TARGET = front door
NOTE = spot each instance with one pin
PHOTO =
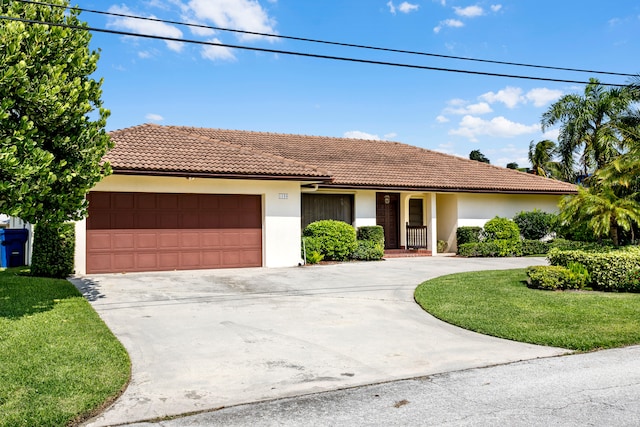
(387, 216)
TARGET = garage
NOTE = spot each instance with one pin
(129, 232)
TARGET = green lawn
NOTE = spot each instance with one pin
(498, 303)
(58, 361)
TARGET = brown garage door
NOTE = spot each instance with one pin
(152, 231)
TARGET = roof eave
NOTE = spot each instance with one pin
(183, 174)
(447, 189)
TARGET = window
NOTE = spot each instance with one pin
(316, 207)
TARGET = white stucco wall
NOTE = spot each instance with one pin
(447, 213)
(476, 209)
(365, 208)
(281, 216)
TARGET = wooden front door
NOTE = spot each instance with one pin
(387, 216)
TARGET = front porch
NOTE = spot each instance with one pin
(406, 253)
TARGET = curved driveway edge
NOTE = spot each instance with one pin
(201, 340)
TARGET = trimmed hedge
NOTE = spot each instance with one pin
(608, 269)
(370, 243)
(53, 250)
(554, 277)
(373, 233)
(631, 281)
(496, 248)
(534, 247)
(468, 235)
(336, 240)
(368, 250)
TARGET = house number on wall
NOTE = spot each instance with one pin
(387, 199)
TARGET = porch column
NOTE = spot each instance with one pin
(404, 218)
(432, 225)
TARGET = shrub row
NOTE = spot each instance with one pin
(338, 241)
(555, 277)
(609, 270)
(497, 248)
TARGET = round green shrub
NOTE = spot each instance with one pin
(501, 229)
(534, 225)
(336, 240)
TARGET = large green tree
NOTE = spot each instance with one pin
(52, 135)
(478, 156)
(590, 125)
(541, 155)
(602, 209)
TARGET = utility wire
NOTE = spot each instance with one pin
(488, 61)
(303, 54)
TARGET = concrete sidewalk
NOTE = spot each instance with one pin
(200, 340)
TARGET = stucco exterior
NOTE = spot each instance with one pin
(443, 213)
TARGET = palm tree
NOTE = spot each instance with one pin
(603, 210)
(541, 157)
(592, 122)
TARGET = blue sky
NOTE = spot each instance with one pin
(152, 81)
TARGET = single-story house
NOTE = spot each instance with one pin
(190, 198)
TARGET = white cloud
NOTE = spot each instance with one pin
(496, 7)
(551, 134)
(406, 7)
(217, 52)
(509, 96)
(198, 28)
(392, 7)
(390, 135)
(469, 11)
(145, 27)
(245, 15)
(455, 107)
(442, 119)
(453, 23)
(542, 96)
(154, 117)
(356, 134)
(500, 127)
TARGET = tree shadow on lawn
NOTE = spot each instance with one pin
(23, 295)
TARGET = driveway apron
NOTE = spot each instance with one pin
(201, 340)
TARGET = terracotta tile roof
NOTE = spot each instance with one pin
(162, 149)
(349, 162)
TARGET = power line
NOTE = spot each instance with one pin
(488, 61)
(303, 54)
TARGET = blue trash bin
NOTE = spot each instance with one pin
(12, 247)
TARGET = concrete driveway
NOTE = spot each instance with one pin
(201, 340)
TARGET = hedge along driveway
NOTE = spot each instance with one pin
(205, 339)
(607, 269)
